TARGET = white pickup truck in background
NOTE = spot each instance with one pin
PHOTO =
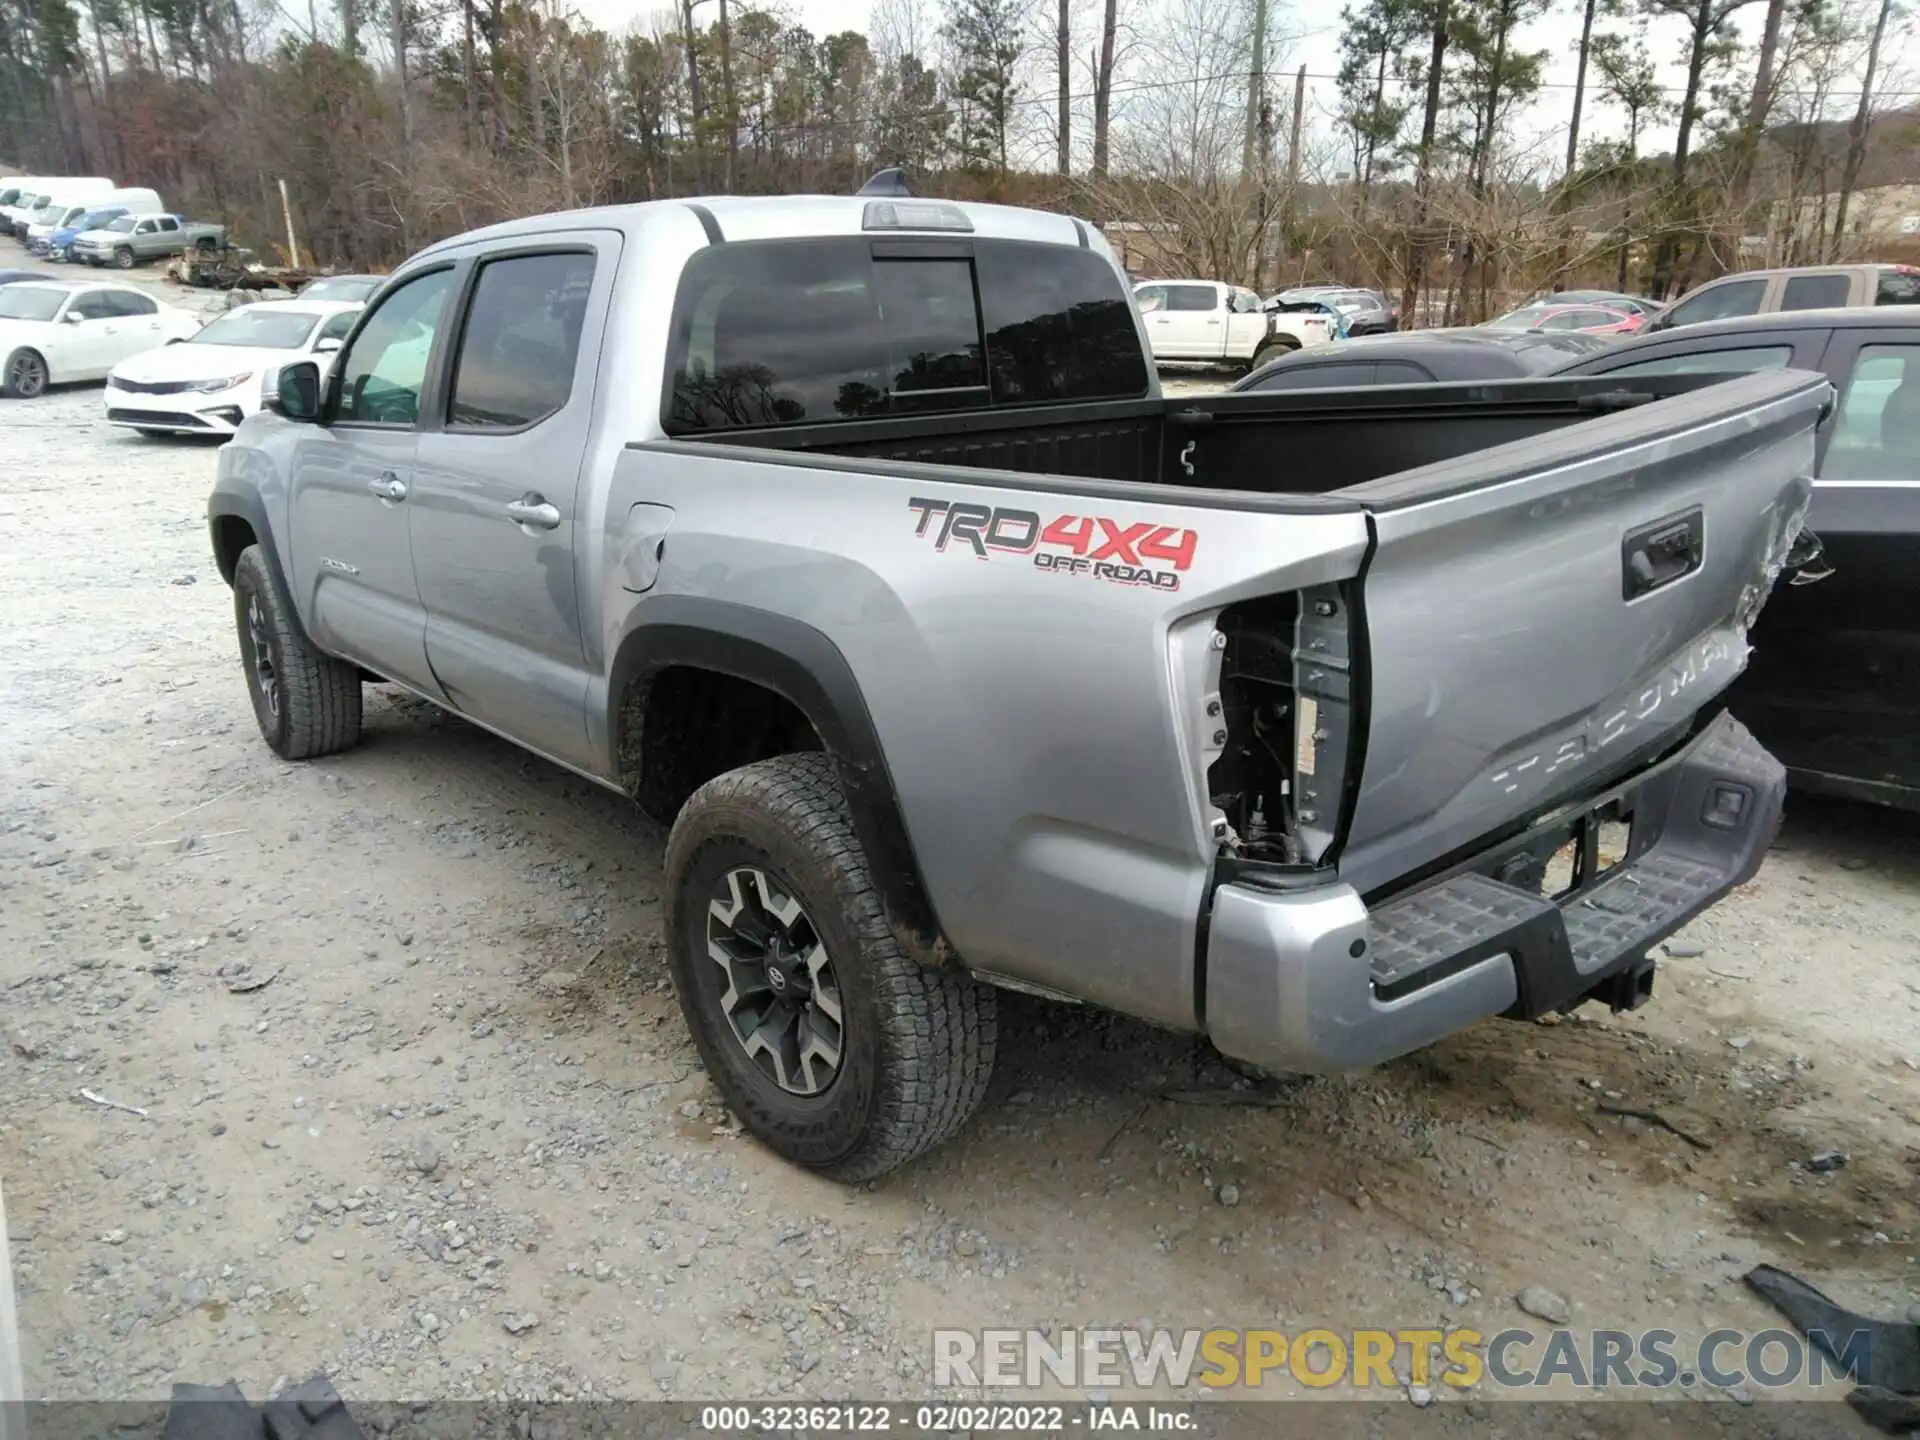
(1205, 322)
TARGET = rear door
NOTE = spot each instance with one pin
(1539, 613)
(1196, 328)
(494, 511)
(137, 327)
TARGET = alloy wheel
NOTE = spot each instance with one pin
(782, 1000)
(27, 375)
(266, 678)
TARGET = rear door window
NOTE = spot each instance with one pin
(1816, 292)
(799, 332)
(1192, 297)
(1876, 430)
(1720, 302)
(1745, 361)
(521, 340)
(129, 303)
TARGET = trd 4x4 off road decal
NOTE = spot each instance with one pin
(1107, 549)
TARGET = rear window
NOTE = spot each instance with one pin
(1898, 287)
(1816, 292)
(799, 332)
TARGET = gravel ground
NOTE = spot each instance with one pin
(421, 1113)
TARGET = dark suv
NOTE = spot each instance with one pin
(1834, 685)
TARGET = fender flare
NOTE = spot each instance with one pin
(805, 668)
(247, 506)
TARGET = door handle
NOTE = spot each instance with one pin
(533, 509)
(388, 487)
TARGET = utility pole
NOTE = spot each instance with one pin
(1291, 210)
(1256, 87)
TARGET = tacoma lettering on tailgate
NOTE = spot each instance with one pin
(1096, 545)
(1627, 713)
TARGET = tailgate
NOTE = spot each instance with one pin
(1538, 614)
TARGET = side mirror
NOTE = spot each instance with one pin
(327, 346)
(74, 317)
(297, 392)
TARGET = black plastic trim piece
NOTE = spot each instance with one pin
(1080, 229)
(708, 224)
(248, 506)
(803, 666)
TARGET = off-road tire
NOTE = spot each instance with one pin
(918, 1043)
(318, 709)
(1269, 352)
(24, 375)
(123, 258)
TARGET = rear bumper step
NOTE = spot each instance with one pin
(1312, 980)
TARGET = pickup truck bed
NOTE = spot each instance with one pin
(1331, 440)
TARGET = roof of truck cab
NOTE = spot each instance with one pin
(779, 217)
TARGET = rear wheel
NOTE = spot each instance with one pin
(1270, 351)
(25, 375)
(307, 703)
(834, 1048)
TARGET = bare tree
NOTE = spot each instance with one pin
(1857, 130)
(1103, 89)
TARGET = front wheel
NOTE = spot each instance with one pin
(307, 703)
(123, 258)
(835, 1049)
(25, 375)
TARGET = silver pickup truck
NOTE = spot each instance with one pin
(132, 238)
(853, 539)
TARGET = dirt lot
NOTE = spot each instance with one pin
(458, 1144)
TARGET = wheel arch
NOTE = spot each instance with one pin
(804, 668)
(35, 350)
(237, 519)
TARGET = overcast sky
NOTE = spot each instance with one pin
(1316, 24)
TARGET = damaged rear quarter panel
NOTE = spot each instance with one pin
(1035, 662)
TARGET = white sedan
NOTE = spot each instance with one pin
(214, 381)
(53, 332)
